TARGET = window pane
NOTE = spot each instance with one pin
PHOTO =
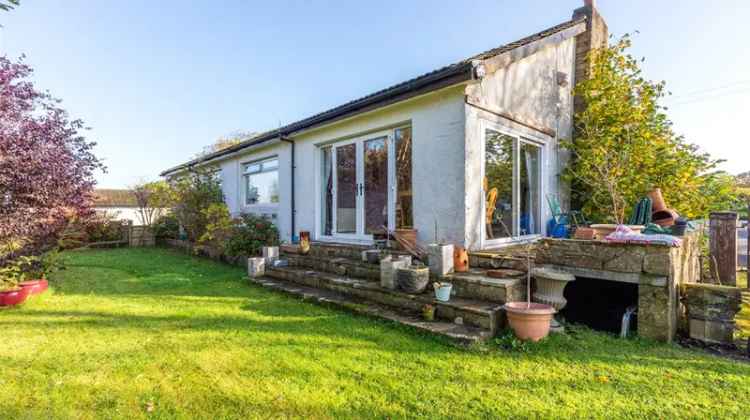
(498, 184)
(252, 168)
(376, 185)
(529, 176)
(346, 188)
(270, 164)
(326, 179)
(262, 188)
(404, 216)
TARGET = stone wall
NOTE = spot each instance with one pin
(658, 270)
(711, 310)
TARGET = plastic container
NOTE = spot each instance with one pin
(443, 293)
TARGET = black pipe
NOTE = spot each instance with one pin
(294, 210)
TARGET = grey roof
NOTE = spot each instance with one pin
(442, 77)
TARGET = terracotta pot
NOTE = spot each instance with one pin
(529, 321)
(304, 242)
(36, 286)
(657, 201)
(460, 259)
(14, 297)
(602, 230)
(665, 218)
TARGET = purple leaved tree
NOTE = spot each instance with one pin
(46, 166)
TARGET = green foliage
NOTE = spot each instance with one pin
(193, 193)
(250, 235)
(625, 146)
(167, 227)
(219, 228)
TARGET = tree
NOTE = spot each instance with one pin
(225, 142)
(152, 199)
(46, 166)
(8, 5)
(194, 192)
(625, 146)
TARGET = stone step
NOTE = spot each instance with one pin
(475, 284)
(490, 260)
(343, 266)
(460, 334)
(476, 313)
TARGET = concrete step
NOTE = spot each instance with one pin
(475, 284)
(490, 260)
(473, 312)
(460, 334)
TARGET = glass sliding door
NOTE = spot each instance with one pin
(346, 188)
(512, 186)
(326, 190)
(404, 217)
(376, 185)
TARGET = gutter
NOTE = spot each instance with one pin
(286, 139)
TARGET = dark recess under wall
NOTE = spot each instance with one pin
(599, 304)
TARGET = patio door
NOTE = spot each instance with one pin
(355, 184)
(512, 188)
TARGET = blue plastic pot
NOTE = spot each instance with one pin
(443, 293)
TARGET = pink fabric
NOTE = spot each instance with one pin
(625, 235)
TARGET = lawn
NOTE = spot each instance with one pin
(136, 333)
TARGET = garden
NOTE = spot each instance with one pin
(137, 333)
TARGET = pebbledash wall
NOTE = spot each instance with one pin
(448, 146)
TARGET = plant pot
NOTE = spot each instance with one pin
(550, 285)
(304, 242)
(529, 322)
(460, 259)
(35, 286)
(413, 279)
(657, 200)
(602, 230)
(443, 293)
(428, 313)
(14, 297)
(665, 218)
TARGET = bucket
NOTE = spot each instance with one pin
(443, 293)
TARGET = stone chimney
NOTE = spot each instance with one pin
(596, 36)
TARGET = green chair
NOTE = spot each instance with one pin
(573, 217)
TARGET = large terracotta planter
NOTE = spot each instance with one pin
(14, 297)
(602, 230)
(35, 286)
(530, 322)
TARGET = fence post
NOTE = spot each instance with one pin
(723, 242)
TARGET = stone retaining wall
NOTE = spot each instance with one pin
(657, 270)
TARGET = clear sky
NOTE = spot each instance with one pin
(158, 80)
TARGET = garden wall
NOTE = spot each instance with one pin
(657, 270)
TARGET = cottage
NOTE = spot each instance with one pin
(467, 153)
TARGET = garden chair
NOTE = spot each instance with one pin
(573, 217)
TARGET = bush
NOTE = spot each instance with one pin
(251, 235)
(193, 194)
(167, 227)
(219, 230)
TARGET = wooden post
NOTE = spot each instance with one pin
(723, 242)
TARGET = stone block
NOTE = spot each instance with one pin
(655, 313)
(658, 260)
(256, 267)
(388, 270)
(270, 254)
(721, 332)
(625, 260)
(440, 258)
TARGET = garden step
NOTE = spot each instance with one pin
(490, 260)
(336, 265)
(477, 313)
(461, 334)
(476, 284)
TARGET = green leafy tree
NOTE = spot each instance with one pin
(194, 192)
(625, 146)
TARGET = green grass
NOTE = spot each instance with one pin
(135, 333)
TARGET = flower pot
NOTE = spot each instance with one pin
(460, 259)
(14, 297)
(304, 242)
(428, 313)
(550, 285)
(35, 286)
(602, 230)
(529, 321)
(657, 200)
(443, 292)
(413, 279)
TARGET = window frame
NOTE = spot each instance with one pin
(245, 177)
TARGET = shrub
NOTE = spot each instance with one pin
(251, 235)
(218, 232)
(193, 193)
(167, 227)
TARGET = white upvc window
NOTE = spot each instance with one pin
(261, 181)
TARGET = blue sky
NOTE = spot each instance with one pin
(157, 81)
